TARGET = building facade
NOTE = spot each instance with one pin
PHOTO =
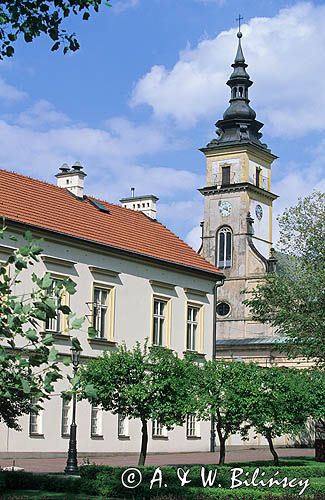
(129, 270)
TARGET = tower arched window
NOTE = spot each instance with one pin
(224, 248)
(240, 91)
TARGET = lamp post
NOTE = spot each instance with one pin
(72, 462)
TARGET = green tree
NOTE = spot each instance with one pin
(225, 390)
(29, 362)
(280, 403)
(293, 300)
(141, 384)
(316, 391)
(32, 18)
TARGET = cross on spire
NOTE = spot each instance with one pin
(239, 19)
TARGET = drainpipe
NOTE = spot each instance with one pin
(214, 355)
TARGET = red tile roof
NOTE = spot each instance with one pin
(39, 204)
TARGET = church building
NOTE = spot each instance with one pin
(237, 227)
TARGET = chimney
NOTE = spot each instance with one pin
(72, 179)
(146, 204)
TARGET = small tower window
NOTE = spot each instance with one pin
(257, 176)
(224, 248)
(225, 176)
(240, 91)
(234, 92)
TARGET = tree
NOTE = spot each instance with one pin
(293, 300)
(141, 384)
(280, 403)
(29, 362)
(32, 18)
(226, 394)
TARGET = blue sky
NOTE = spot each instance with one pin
(143, 94)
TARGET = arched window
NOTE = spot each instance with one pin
(224, 248)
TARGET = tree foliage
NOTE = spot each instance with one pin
(293, 300)
(280, 403)
(141, 384)
(29, 362)
(225, 394)
(31, 18)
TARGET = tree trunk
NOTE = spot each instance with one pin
(222, 442)
(272, 450)
(144, 443)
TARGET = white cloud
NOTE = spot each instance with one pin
(122, 5)
(285, 55)
(193, 238)
(111, 155)
(9, 92)
(42, 113)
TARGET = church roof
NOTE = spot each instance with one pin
(238, 125)
(41, 205)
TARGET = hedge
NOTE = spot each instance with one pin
(105, 481)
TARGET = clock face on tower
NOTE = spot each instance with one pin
(259, 212)
(224, 208)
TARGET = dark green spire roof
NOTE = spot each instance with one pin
(239, 124)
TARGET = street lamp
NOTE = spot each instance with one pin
(72, 462)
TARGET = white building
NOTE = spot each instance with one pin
(128, 269)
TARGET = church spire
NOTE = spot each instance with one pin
(239, 124)
(239, 82)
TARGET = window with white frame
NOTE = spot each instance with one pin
(159, 322)
(192, 327)
(192, 426)
(100, 311)
(35, 421)
(224, 248)
(96, 420)
(158, 430)
(66, 416)
(122, 426)
(54, 324)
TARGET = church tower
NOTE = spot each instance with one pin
(237, 227)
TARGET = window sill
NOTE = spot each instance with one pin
(97, 437)
(35, 435)
(193, 438)
(124, 438)
(102, 342)
(160, 438)
(65, 436)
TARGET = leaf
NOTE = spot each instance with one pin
(53, 355)
(90, 391)
(77, 323)
(76, 344)
(92, 332)
(46, 282)
(31, 335)
(26, 386)
(65, 309)
(55, 46)
(48, 339)
(86, 16)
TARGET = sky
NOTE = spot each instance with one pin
(141, 96)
